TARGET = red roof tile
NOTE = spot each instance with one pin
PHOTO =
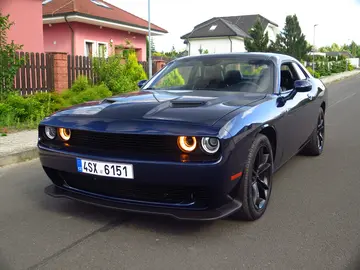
(87, 7)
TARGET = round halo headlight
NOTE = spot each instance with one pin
(64, 134)
(50, 132)
(187, 144)
(210, 145)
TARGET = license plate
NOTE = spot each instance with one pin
(105, 168)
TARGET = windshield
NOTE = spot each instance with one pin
(235, 73)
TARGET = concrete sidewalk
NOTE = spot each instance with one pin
(21, 146)
(17, 147)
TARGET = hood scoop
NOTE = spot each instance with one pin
(187, 103)
(108, 101)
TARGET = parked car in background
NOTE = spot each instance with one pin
(200, 141)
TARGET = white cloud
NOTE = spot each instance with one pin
(337, 20)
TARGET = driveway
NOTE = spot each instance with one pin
(312, 222)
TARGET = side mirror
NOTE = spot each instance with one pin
(142, 83)
(302, 86)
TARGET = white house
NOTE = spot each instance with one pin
(225, 34)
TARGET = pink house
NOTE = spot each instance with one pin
(77, 27)
(92, 27)
(28, 27)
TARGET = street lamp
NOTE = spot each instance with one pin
(313, 63)
(150, 58)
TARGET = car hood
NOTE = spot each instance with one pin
(198, 106)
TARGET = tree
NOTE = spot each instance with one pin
(9, 64)
(291, 40)
(335, 48)
(259, 40)
(152, 45)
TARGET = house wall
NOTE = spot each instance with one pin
(28, 29)
(238, 45)
(272, 31)
(94, 33)
(216, 45)
(58, 38)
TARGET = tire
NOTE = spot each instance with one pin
(253, 205)
(317, 139)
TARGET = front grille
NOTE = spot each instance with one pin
(124, 142)
(126, 146)
(122, 189)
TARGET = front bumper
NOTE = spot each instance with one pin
(210, 180)
(183, 214)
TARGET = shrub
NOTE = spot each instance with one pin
(315, 74)
(120, 72)
(81, 83)
(350, 67)
(51, 101)
(17, 109)
(93, 93)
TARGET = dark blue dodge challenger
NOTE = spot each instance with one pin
(200, 140)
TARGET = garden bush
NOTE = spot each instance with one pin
(315, 74)
(16, 110)
(91, 93)
(120, 72)
(26, 112)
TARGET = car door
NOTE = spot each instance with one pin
(293, 137)
(309, 108)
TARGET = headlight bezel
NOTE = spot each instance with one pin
(184, 146)
(47, 132)
(200, 145)
(207, 147)
(64, 134)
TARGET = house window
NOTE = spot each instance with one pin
(213, 27)
(89, 48)
(102, 49)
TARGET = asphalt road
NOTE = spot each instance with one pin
(312, 222)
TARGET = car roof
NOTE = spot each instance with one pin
(277, 58)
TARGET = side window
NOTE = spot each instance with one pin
(176, 78)
(287, 77)
(300, 73)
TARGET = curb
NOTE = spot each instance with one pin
(19, 157)
(327, 80)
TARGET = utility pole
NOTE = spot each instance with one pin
(313, 63)
(150, 58)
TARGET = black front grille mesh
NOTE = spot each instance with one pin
(124, 142)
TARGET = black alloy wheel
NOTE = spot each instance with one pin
(256, 183)
(260, 177)
(316, 143)
(321, 131)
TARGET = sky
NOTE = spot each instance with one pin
(337, 20)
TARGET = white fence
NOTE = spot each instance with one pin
(354, 62)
